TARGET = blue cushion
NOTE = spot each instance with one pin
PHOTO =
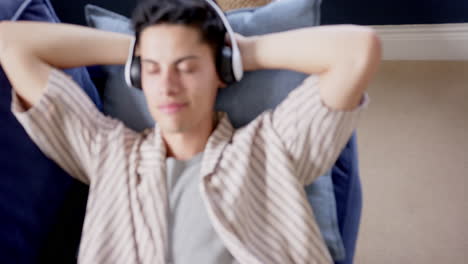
(348, 194)
(242, 101)
(41, 207)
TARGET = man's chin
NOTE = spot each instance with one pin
(173, 129)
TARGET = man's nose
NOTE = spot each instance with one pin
(170, 83)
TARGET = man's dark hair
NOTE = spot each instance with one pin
(195, 13)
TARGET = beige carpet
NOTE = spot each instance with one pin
(413, 144)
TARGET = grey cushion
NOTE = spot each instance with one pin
(261, 90)
(243, 101)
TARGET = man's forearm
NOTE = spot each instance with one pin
(314, 49)
(64, 45)
(344, 56)
(29, 50)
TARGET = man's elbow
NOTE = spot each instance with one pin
(2, 38)
(5, 37)
(369, 53)
(364, 64)
(366, 59)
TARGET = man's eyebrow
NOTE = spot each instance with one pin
(189, 57)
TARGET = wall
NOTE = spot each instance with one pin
(394, 12)
(413, 144)
(72, 11)
(364, 12)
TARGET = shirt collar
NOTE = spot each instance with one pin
(217, 142)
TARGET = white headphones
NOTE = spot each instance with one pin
(229, 61)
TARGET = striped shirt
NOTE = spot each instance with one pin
(252, 179)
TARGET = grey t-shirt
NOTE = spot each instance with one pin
(192, 238)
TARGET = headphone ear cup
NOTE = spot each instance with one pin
(225, 70)
(135, 72)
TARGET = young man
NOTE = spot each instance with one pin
(192, 190)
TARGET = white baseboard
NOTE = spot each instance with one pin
(424, 42)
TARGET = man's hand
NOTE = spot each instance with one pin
(246, 48)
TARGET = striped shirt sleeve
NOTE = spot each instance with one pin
(313, 134)
(66, 125)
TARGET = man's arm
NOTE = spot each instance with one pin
(55, 112)
(28, 51)
(344, 56)
(317, 118)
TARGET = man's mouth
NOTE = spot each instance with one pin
(172, 108)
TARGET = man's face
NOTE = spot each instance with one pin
(179, 77)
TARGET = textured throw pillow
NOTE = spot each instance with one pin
(227, 5)
(242, 101)
(41, 207)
